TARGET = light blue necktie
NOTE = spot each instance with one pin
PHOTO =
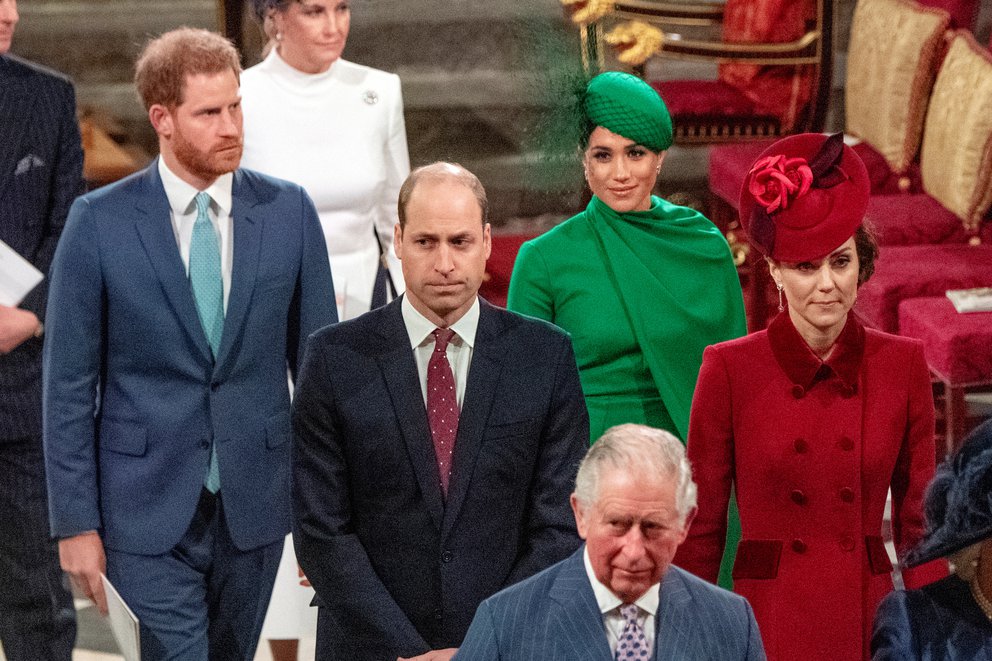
(208, 290)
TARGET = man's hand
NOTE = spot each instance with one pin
(16, 326)
(82, 557)
(433, 655)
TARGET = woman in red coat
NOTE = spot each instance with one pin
(812, 420)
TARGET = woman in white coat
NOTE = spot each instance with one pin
(336, 128)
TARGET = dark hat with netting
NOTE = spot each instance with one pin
(959, 500)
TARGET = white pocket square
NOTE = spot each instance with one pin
(28, 162)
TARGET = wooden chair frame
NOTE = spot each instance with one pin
(815, 47)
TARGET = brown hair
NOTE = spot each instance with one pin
(442, 171)
(866, 247)
(161, 70)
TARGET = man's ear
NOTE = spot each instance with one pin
(161, 120)
(688, 522)
(398, 241)
(580, 517)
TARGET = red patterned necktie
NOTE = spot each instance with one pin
(442, 404)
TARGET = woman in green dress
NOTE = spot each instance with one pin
(642, 285)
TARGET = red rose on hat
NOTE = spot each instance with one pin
(777, 180)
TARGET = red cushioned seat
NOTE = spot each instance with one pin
(958, 346)
(716, 104)
(904, 272)
(499, 267)
(905, 220)
(883, 180)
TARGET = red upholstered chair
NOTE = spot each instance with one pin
(774, 60)
(499, 268)
(958, 349)
(904, 272)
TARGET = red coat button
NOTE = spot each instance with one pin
(799, 546)
(846, 444)
(847, 495)
(847, 544)
(798, 391)
(798, 497)
(801, 445)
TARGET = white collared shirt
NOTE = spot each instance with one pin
(609, 606)
(459, 352)
(182, 206)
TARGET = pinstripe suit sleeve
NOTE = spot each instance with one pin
(66, 186)
(755, 648)
(481, 642)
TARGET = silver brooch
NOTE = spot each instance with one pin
(370, 97)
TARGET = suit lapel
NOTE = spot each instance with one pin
(16, 108)
(480, 391)
(577, 624)
(155, 231)
(247, 237)
(673, 625)
(399, 369)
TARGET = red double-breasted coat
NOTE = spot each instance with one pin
(811, 448)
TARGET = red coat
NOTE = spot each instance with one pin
(811, 448)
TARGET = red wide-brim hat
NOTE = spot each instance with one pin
(803, 197)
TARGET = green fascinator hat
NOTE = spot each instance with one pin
(628, 106)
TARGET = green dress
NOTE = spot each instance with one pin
(642, 294)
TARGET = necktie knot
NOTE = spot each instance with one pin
(441, 338)
(202, 200)
(629, 613)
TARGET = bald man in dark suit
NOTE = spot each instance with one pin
(41, 163)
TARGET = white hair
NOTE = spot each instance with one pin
(633, 448)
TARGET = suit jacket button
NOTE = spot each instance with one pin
(847, 494)
(205, 444)
(801, 445)
(798, 497)
(847, 543)
(799, 546)
(798, 391)
(846, 444)
(447, 556)
(215, 386)
(438, 615)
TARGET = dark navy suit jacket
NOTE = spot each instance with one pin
(398, 569)
(938, 622)
(133, 397)
(554, 616)
(41, 172)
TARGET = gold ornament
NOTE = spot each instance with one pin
(635, 41)
(587, 11)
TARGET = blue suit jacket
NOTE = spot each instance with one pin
(398, 568)
(41, 173)
(132, 395)
(553, 616)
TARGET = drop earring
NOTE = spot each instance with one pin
(778, 285)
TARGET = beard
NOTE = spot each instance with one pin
(207, 164)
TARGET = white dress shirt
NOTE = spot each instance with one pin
(459, 350)
(609, 606)
(182, 205)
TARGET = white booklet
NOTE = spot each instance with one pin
(18, 276)
(977, 299)
(123, 623)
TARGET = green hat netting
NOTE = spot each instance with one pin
(628, 106)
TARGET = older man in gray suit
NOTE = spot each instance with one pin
(619, 597)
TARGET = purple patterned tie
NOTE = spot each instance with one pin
(442, 404)
(633, 645)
